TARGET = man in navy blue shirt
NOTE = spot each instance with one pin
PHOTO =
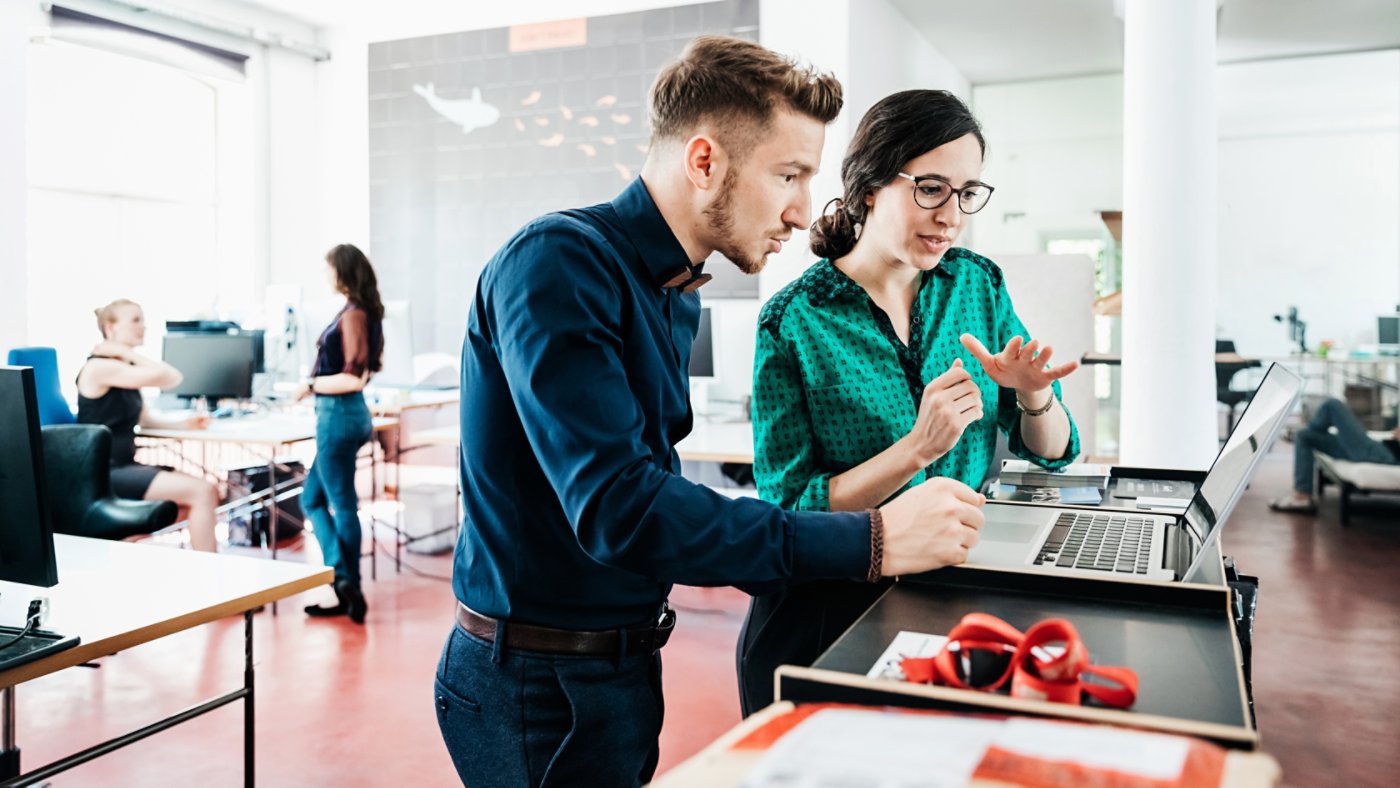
(574, 395)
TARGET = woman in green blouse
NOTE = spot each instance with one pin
(872, 372)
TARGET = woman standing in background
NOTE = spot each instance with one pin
(348, 352)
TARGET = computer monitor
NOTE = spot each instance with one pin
(1388, 331)
(702, 351)
(26, 533)
(255, 335)
(214, 366)
(397, 363)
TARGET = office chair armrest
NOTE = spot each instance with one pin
(117, 518)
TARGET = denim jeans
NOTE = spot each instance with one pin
(328, 498)
(520, 718)
(1350, 443)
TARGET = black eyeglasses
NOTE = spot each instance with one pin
(931, 191)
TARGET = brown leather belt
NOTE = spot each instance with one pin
(606, 643)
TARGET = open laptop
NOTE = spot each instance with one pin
(1150, 545)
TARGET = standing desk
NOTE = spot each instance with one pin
(116, 595)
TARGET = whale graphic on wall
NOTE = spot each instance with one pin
(470, 114)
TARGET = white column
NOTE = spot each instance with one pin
(1169, 233)
(17, 22)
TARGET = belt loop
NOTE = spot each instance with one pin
(621, 646)
(498, 645)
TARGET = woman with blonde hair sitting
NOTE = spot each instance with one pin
(109, 393)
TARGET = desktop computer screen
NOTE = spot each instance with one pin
(215, 366)
(26, 534)
(256, 335)
(702, 352)
(1388, 330)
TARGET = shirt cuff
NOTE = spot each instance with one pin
(829, 546)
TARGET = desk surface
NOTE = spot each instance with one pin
(733, 755)
(270, 429)
(718, 441)
(115, 595)
(1115, 359)
(392, 402)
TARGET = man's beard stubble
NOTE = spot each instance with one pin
(721, 216)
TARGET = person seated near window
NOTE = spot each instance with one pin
(890, 363)
(109, 393)
(1350, 443)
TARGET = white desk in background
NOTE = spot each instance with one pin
(718, 441)
(116, 595)
(273, 433)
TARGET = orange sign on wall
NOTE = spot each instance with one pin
(549, 35)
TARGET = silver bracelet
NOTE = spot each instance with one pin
(1041, 411)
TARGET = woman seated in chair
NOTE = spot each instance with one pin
(109, 393)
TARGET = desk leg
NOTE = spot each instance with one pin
(271, 519)
(248, 737)
(9, 753)
(373, 507)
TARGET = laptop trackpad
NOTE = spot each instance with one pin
(1008, 533)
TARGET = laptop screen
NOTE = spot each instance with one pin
(1234, 466)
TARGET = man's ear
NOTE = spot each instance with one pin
(704, 162)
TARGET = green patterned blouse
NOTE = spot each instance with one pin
(834, 385)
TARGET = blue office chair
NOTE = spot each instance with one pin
(53, 408)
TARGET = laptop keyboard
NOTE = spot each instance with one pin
(1106, 542)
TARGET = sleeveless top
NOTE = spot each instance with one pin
(120, 411)
(349, 343)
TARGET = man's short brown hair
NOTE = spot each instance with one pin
(738, 84)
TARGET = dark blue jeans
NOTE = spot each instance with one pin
(328, 498)
(1350, 443)
(520, 718)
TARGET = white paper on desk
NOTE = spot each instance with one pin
(835, 748)
(1149, 755)
(905, 644)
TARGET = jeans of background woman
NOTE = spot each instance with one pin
(328, 498)
(1349, 443)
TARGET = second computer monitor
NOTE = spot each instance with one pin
(1388, 331)
(702, 352)
(214, 366)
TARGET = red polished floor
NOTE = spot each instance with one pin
(345, 705)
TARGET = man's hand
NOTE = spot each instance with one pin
(1024, 367)
(930, 526)
(949, 403)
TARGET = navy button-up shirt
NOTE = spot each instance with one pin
(574, 395)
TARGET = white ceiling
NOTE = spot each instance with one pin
(988, 40)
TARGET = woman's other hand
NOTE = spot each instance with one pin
(1023, 367)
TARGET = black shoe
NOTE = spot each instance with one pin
(325, 611)
(354, 600)
(340, 608)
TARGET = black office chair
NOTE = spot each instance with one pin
(1224, 373)
(78, 487)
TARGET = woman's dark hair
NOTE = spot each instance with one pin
(899, 128)
(355, 278)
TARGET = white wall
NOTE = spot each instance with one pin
(1309, 185)
(17, 22)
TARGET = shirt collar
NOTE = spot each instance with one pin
(831, 283)
(660, 251)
